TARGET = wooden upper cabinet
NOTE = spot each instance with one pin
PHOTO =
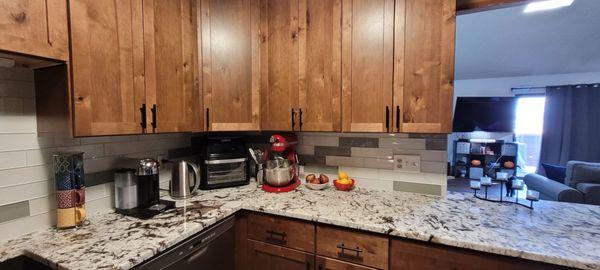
(107, 66)
(171, 66)
(35, 27)
(279, 64)
(230, 64)
(367, 65)
(320, 72)
(424, 73)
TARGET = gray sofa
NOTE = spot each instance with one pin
(581, 185)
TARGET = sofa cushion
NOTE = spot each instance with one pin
(582, 172)
(591, 192)
(555, 172)
(552, 190)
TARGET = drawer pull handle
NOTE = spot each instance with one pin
(276, 237)
(354, 257)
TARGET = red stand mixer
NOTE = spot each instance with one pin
(281, 164)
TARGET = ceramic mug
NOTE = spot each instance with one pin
(70, 198)
(70, 217)
(68, 170)
(64, 181)
(66, 198)
(80, 196)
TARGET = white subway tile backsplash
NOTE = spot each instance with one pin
(42, 204)
(319, 140)
(45, 156)
(385, 153)
(20, 89)
(17, 193)
(19, 176)
(26, 173)
(9, 160)
(402, 143)
(11, 106)
(109, 139)
(17, 124)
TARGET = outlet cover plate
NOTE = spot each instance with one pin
(407, 163)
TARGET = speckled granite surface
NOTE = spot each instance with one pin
(557, 233)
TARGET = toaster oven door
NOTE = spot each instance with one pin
(226, 172)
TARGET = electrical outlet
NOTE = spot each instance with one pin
(407, 163)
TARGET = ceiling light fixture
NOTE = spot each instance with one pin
(546, 5)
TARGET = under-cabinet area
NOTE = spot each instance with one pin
(141, 67)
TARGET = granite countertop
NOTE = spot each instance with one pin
(557, 233)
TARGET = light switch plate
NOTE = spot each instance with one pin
(407, 163)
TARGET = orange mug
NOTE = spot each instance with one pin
(70, 217)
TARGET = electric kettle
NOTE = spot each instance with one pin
(181, 176)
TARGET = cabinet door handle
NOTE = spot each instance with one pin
(144, 122)
(398, 118)
(300, 115)
(207, 120)
(387, 118)
(153, 124)
(276, 237)
(293, 119)
(354, 257)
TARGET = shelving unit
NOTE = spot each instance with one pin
(491, 154)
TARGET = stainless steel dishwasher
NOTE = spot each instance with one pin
(212, 249)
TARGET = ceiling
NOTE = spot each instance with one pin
(507, 42)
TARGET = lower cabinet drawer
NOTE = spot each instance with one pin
(352, 246)
(412, 255)
(263, 256)
(324, 263)
(282, 231)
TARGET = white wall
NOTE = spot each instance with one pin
(500, 87)
(27, 199)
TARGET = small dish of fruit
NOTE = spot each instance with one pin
(317, 183)
(344, 182)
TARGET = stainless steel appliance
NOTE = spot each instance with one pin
(212, 249)
(278, 172)
(181, 178)
(125, 189)
(225, 163)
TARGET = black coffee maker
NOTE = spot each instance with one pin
(148, 191)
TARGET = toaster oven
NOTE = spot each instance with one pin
(225, 163)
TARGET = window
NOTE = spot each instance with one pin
(528, 130)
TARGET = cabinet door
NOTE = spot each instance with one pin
(424, 99)
(279, 64)
(367, 63)
(35, 27)
(263, 256)
(410, 255)
(171, 64)
(320, 65)
(107, 66)
(230, 64)
(324, 263)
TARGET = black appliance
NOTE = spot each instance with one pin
(490, 114)
(148, 192)
(224, 163)
(211, 249)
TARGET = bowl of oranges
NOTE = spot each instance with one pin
(344, 182)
